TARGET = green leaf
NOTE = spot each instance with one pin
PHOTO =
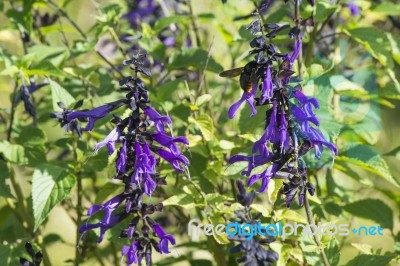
(387, 8)
(195, 58)
(375, 42)
(216, 219)
(31, 136)
(59, 94)
(181, 200)
(372, 209)
(260, 208)
(22, 155)
(166, 21)
(333, 252)
(202, 99)
(367, 158)
(50, 185)
(45, 68)
(205, 124)
(4, 174)
(290, 215)
(370, 260)
(323, 10)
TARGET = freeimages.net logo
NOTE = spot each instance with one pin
(278, 230)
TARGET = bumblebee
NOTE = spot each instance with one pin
(248, 75)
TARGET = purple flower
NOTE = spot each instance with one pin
(158, 119)
(131, 252)
(271, 134)
(96, 113)
(296, 51)
(354, 10)
(26, 92)
(122, 158)
(267, 87)
(265, 176)
(254, 161)
(283, 132)
(317, 139)
(110, 140)
(249, 98)
(165, 238)
(109, 220)
(304, 117)
(175, 159)
(168, 141)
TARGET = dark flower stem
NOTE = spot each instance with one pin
(311, 222)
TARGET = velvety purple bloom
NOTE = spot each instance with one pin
(109, 219)
(122, 158)
(304, 100)
(354, 10)
(249, 98)
(296, 51)
(271, 134)
(175, 159)
(131, 252)
(168, 141)
(169, 41)
(304, 117)
(317, 139)
(254, 161)
(96, 113)
(267, 87)
(265, 176)
(110, 140)
(165, 238)
(142, 9)
(158, 119)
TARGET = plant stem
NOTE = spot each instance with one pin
(84, 36)
(297, 19)
(312, 226)
(79, 200)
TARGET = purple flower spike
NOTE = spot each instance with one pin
(267, 87)
(271, 134)
(317, 139)
(165, 238)
(249, 98)
(354, 10)
(168, 141)
(131, 252)
(96, 113)
(110, 140)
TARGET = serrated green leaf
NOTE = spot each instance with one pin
(367, 158)
(31, 136)
(260, 208)
(181, 200)
(206, 126)
(333, 252)
(216, 219)
(323, 10)
(193, 58)
(44, 68)
(373, 209)
(59, 94)
(50, 185)
(370, 260)
(290, 215)
(22, 155)
(202, 99)
(375, 42)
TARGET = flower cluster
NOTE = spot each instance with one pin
(36, 257)
(291, 124)
(254, 251)
(143, 137)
